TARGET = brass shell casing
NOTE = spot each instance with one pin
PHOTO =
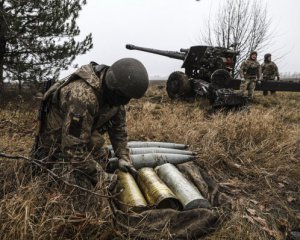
(131, 198)
(155, 191)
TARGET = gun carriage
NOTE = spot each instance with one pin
(208, 74)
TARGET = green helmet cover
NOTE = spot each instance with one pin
(129, 77)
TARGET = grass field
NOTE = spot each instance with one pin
(253, 154)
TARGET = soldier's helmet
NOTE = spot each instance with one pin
(129, 77)
(267, 56)
(253, 52)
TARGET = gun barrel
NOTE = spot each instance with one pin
(170, 54)
(184, 50)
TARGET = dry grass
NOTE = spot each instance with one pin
(254, 155)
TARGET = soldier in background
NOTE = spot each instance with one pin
(76, 113)
(269, 71)
(250, 73)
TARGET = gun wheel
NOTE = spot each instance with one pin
(178, 85)
(220, 78)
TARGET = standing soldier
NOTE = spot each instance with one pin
(250, 72)
(76, 113)
(269, 71)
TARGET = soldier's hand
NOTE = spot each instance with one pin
(127, 167)
(242, 79)
(259, 82)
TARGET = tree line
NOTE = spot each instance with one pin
(37, 38)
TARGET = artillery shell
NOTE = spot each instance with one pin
(155, 191)
(135, 151)
(138, 144)
(185, 191)
(131, 198)
(156, 159)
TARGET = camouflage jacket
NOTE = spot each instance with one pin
(250, 69)
(78, 117)
(269, 70)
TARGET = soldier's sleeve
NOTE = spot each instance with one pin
(79, 105)
(118, 134)
(262, 67)
(259, 74)
(276, 70)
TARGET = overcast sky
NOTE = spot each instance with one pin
(171, 25)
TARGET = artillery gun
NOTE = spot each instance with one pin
(208, 74)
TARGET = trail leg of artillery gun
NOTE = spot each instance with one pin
(280, 86)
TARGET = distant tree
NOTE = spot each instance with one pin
(37, 38)
(242, 25)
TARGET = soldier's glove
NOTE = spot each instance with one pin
(125, 166)
(258, 82)
(243, 79)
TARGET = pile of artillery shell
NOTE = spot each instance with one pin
(164, 188)
(152, 154)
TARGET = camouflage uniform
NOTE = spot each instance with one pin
(78, 116)
(269, 72)
(251, 71)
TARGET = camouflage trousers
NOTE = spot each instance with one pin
(247, 87)
(265, 93)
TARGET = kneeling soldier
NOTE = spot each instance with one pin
(77, 112)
